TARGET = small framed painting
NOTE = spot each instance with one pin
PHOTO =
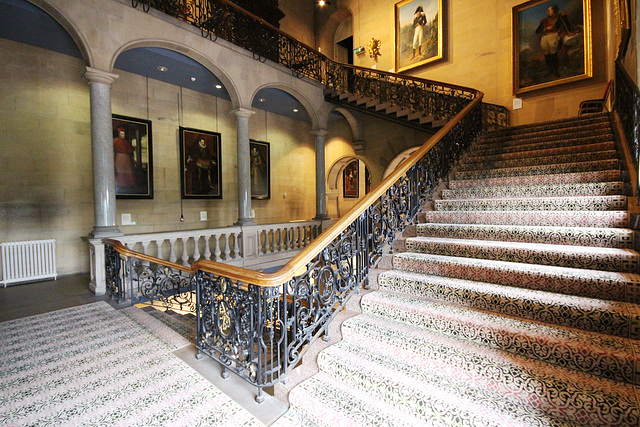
(350, 180)
(551, 44)
(419, 33)
(201, 171)
(260, 170)
(133, 160)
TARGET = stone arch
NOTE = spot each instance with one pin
(313, 111)
(202, 59)
(71, 29)
(357, 143)
(333, 176)
(395, 162)
(331, 24)
(336, 203)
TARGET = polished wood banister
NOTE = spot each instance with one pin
(289, 270)
(123, 250)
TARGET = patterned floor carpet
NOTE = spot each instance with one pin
(513, 303)
(92, 365)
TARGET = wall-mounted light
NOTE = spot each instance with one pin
(163, 68)
(323, 3)
(218, 86)
(295, 110)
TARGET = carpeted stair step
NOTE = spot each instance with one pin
(597, 354)
(559, 396)
(559, 168)
(615, 318)
(586, 257)
(576, 236)
(594, 125)
(560, 144)
(423, 393)
(571, 281)
(586, 203)
(617, 219)
(325, 401)
(539, 142)
(610, 175)
(558, 190)
(525, 159)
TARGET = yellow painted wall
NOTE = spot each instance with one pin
(478, 54)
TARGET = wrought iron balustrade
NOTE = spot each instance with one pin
(627, 106)
(221, 18)
(144, 279)
(259, 325)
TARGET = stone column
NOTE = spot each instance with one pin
(104, 186)
(244, 166)
(321, 185)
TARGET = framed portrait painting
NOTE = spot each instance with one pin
(351, 181)
(201, 171)
(551, 43)
(260, 170)
(418, 33)
(132, 157)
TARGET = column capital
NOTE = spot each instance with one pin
(98, 76)
(319, 132)
(243, 112)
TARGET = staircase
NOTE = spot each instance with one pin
(513, 302)
(387, 110)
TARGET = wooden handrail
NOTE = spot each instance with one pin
(289, 270)
(123, 250)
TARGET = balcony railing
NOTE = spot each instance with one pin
(627, 107)
(259, 325)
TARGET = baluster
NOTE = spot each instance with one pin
(172, 250)
(279, 242)
(196, 249)
(272, 237)
(233, 246)
(291, 236)
(216, 239)
(262, 237)
(207, 247)
(145, 247)
(185, 254)
(227, 250)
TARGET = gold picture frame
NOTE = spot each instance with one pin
(418, 33)
(551, 47)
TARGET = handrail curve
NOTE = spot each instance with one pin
(123, 250)
(288, 271)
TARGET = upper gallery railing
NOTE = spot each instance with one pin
(627, 106)
(221, 18)
(258, 325)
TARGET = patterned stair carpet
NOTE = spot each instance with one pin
(513, 302)
(93, 365)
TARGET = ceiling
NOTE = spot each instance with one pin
(25, 23)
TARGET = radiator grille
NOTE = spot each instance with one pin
(28, 261)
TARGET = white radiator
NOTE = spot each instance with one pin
(28, 261)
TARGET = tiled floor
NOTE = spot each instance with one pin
(29, 299)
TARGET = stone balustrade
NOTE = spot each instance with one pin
(256, 247)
